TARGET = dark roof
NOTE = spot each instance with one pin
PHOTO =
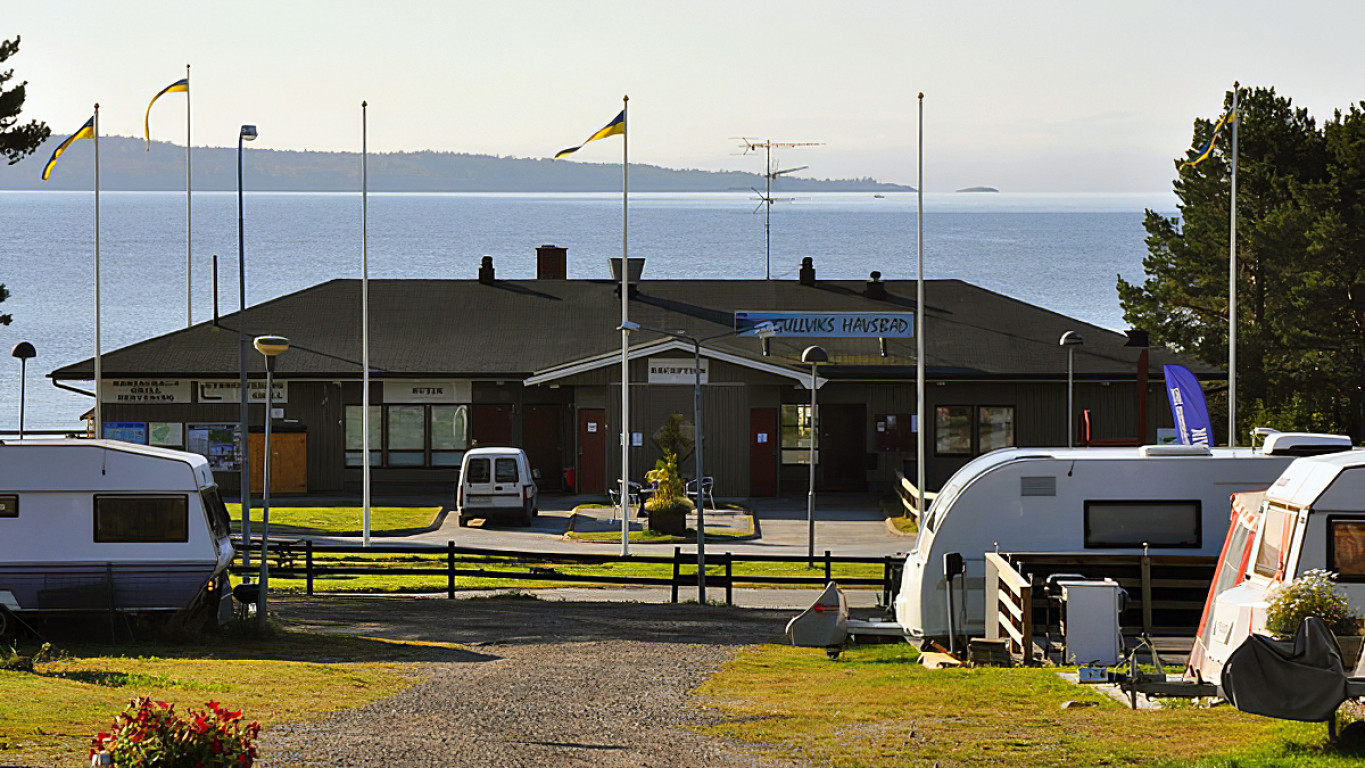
(513, 328)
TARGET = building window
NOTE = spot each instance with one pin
(796, 434)
(9, 505)
(1346, 539)
(409, 435)
(1125, 524)
(969, 430)
(141, 519)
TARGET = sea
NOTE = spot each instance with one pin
(1063, 252)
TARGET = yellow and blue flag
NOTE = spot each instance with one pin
(179, 86)
(87, 131)
(617, 125)
(1206, 149)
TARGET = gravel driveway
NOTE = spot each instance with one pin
(549, 684)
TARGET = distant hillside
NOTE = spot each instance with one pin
(125, 164)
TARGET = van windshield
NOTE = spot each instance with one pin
(477, 472)
(505, 471)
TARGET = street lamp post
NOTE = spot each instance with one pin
(271, 347)
(247, 133)
(1070, 340)
(812, 356)
(764, 331)
(23, 350)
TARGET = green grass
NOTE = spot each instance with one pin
(876, 707)
(336, 520)
(48, 716)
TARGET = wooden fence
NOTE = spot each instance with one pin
(297, 559)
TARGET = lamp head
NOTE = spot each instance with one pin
(248, 132)
(1070, 339)
(271, 346)
(628, 326)
(24, 350)
(814, 355)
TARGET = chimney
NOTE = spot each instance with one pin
(552, 262)
(875, 289)
(486, 270)
(807, 275)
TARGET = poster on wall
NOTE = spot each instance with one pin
(168, 434)
(127, 431)
(215, 442)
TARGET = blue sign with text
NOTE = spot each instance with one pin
(829, 325)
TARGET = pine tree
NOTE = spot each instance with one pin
(16, 141)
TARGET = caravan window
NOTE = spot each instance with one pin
(217, 512)
(9, 505)
(1346, 548)
(1115, 524)
(142, 518)
(1276, 527)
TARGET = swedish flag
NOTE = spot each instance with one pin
(179, 86)
(617, 125)
(1206, 149)
(87, 131)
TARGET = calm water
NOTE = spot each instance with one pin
(1062, 252)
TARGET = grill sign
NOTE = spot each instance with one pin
(145, 391)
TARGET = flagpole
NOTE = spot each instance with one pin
(919, 324)
(189, 232)
(1232, 282)
(365, 317)
(99, 394)
(625, 334)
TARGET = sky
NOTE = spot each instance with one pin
(1023, 96)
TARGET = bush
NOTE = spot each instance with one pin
(149, 734)
(1313, 594)
(668, 491)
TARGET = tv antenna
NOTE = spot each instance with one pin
(766, 199)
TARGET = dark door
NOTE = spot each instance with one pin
(764, 440)
(491, 425)
(843, 446)
(592, 450)
(543, 438)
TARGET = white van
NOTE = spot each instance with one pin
(496, 482)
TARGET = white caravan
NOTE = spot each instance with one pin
(1311, 518)
(1079, 500)
(103, 525)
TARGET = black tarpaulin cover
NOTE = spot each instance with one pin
(1298, 679)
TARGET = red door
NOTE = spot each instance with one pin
(763, 444)
(491, 425)
(592, 450)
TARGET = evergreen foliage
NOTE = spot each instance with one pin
(1300, 267)
(16, 141)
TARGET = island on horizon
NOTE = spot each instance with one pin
(978, 189)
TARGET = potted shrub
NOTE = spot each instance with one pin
(668, 507)
(1315, 594)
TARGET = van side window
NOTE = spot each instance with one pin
(1346, 548)
(1116, 524)
(142, 518)
(9, 505)
(478, 471)
(505, 471)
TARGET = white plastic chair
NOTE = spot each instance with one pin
(632, 499)
(707, 484)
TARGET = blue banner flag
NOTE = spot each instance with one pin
(1187, 406)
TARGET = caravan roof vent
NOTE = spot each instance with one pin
(1175, 450)
(1304, 444)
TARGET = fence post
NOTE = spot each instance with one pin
(1147, 595)
(729, 579)
(677, 555)
(450, 569)
(829, 572)
(886, 581)
(308, 565)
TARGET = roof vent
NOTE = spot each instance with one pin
(1175, 449)
(875, 289)
(486, 270)
(807, 274)
(1304, 444)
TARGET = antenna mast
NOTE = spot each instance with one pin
(766, 199)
